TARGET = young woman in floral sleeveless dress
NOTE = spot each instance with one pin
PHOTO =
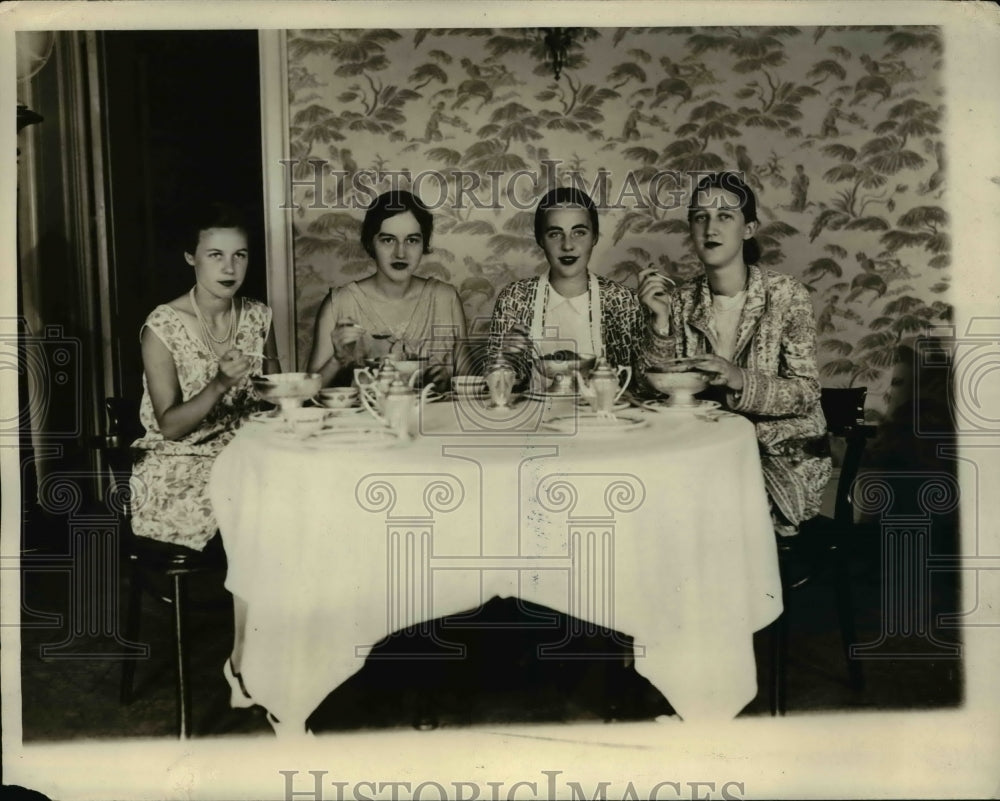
(196, 384)
(198, 353)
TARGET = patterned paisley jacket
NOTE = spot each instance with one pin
(622, 317)
(776, 352)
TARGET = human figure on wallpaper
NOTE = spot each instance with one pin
(630, 130)
(392, 310)
(198, 353)
(834, 115)
(936, 182)
(568, 303)
(433, 131)
(800, 189)
(752, 331)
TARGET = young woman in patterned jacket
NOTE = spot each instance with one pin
(753, 331)
(568, 308)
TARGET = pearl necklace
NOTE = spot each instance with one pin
(206, 331)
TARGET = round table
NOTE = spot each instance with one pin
(660, 530)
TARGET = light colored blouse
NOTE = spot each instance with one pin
(568, 320)
(575, 323)
(726, 313)
(432, 329)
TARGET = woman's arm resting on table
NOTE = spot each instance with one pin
(175, 416)
(795, 390)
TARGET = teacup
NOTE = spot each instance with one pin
(468, 385)
(559, 370)
(305, 420)
(410, 368)
(338, 397)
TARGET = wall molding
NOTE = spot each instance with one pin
(274, 111)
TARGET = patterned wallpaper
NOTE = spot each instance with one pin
(839, 130)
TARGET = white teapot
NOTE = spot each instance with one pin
(396, 407)
(605, 386)
(375, 386)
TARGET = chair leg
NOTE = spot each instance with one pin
(779, 664)
(132, 620)
(845, 613)
(183, 690)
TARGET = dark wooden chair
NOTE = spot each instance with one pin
(822, 544)
(158, 568)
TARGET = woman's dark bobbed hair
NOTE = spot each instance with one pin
(564, 196)
(731, 182)
(389, 204)
(208, 215)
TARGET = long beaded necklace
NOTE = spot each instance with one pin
(207, 332)
(594, 302)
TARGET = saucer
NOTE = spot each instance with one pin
(368, 436)
(620, 406)
(354, 404)
(592, 424)
(700, 406)
(344, 411)
(531, 394)
(270, 418)
(476, 394)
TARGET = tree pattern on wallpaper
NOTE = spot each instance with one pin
(838, 129)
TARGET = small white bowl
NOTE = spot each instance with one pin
(561, 363)
(287, 390)
(338, 397)
(680, 386)
(304, 421)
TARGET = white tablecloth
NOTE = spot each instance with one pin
(661, 532)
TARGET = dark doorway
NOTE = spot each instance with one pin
(182, 123)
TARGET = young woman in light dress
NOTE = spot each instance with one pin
(198, 353)
(392, 310)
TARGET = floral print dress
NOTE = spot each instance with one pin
(169, 481)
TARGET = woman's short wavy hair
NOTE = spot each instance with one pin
(208, 215)
(732, 182)
(389, 204)
(564, 196)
